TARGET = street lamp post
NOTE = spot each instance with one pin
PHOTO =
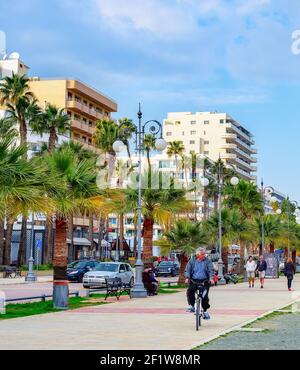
(30, 277)
(220, 183)
(266, 195)
(138, 290)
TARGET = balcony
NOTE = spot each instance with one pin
(229, 146)
(245, 174)
(228, 156)
(244, 145)
(229, 136)
(239, 132)
(245, 155)
(246, 165)
(83, 127)
(82, 108)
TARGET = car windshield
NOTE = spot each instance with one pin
(77, 265)
(166, 263)
(112, 267)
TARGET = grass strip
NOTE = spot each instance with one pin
(37, 308)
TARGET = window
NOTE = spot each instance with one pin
(192, 142)
(193, 132)
(168, 133)
(206, 122)
(177, 122)
(182, 133)
(204, 132)
(222, 121)
(206, 142)
(206, 153)
(193, 122)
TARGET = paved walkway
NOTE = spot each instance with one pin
(151, 323)
(14, 281)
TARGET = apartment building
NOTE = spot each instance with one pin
(214, 135)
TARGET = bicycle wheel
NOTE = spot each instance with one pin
(198, 314)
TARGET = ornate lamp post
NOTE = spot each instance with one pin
(30, 277)
(219, 179)
(138, 290)
(266, 196)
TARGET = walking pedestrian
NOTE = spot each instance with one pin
(250, 268)
(261, 268)
(289, 272)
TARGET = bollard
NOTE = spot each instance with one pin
(43, 298)
(87, 293)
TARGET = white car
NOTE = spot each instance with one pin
(108, 270)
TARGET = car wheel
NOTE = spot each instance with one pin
(131, 282)
(86, 286)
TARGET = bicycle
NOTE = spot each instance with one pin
(201, 292)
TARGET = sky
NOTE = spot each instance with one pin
(177, 55)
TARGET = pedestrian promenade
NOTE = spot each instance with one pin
(151, 323)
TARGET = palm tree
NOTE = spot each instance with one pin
(235, 228)
(106, 133)
(273, 230)
(185, 237)
(79, 180)
(53, 121)
(21, 108)
(19, 101)
(158, 205)
(149, 144)
(247, 199)
(22, 186)
(175, 148)
(127, 129)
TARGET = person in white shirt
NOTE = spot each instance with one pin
(250, 268)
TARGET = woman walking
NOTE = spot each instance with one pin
(250, 268)
(289, 272)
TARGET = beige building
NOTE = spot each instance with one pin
(83, 104)
(214, 135)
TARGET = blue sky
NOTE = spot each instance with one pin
(177, 55)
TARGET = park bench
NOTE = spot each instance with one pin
(11, 272)
(115, 288)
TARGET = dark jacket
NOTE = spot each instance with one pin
(289, 269)
(208, 268)
(261, 266)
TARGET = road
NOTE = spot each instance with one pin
(37, 289)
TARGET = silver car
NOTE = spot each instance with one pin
(108, 270)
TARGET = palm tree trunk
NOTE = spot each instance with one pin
(216, 202)
(225, 259)
(205, 207)
(100, 236)
(272, 247)
(52, 140)
(60, 282)
(7, 244)
(47, 251)
(183, 262)
(148, 241)
(70, 235)
(121, 223)
(294, 254)
(1, 241)
(242, 257)
(91, 231)
(23, 243)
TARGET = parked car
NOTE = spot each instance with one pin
(167, 268)
(104, 270)
(77, 269)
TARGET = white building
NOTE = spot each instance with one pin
(214, 135)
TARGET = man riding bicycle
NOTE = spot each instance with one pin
(199, 270)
